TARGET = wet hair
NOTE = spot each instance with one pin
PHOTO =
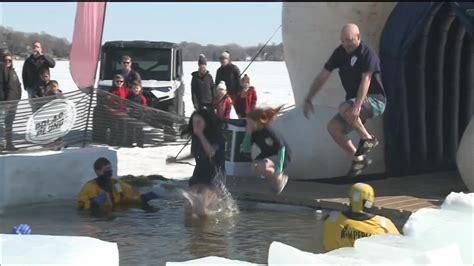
(264, 116)
(101, 162)
(51, 82)
(213, 124)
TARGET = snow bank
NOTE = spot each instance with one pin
(51, 175)
(56, 250)
(431, 236)
(211, 260)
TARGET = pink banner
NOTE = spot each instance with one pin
(86, 43)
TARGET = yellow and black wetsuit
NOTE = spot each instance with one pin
(122, 193)
(342, 229)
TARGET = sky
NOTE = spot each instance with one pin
(246, 24)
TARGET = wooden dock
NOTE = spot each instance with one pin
(396, 197)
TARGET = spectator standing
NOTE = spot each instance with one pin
(246, 98)
(32, 67)
(12, 94)
(229, 73)
(202, 86)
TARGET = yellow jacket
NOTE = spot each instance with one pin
(341, 231)
(122, 194)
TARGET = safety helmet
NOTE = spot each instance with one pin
(361, 196)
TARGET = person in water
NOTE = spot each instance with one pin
(208, 150)
(342, 229)
(275, 153)
(104, 193)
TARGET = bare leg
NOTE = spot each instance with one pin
(267, 169)
(360, 129)
(335, 129)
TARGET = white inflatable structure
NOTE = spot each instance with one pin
(465, 156)
(56, 250)
(51, 175)
(431, 236)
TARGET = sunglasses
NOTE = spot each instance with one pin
(119, 81)
(7, 60)
(125, 62)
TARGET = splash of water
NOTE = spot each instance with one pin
(226, 204)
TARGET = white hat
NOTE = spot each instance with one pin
(221, 86)
(225, 55)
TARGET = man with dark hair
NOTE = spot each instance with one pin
(130, 76)
(229, 73)
(12, 94)
(359, 70)
(104, 192)
(33, 66)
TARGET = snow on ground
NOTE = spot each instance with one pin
(270, 79)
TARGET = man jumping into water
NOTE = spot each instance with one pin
(359, 71)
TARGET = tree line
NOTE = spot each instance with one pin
(271, 52)
(20, 44)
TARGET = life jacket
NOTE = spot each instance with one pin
(342, 229)
(122, 193)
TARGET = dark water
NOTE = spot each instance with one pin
(155, 238)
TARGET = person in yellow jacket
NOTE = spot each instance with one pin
(342, 229)
(104, 192)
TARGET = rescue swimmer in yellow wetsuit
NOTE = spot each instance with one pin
(342, 229)
(104, 193)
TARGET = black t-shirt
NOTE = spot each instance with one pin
(206, 168)
(270, 143)
(352, 66)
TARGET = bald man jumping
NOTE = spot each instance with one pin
(359, 70)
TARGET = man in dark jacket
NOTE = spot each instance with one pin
(32, 67)
(12, 94)
(229, 73)
(202, 86)
(130, 76)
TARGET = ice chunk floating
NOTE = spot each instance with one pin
(56, 250)
(431, 236)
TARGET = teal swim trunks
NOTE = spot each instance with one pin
(371, 107)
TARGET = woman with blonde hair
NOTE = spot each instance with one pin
(275, 153)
